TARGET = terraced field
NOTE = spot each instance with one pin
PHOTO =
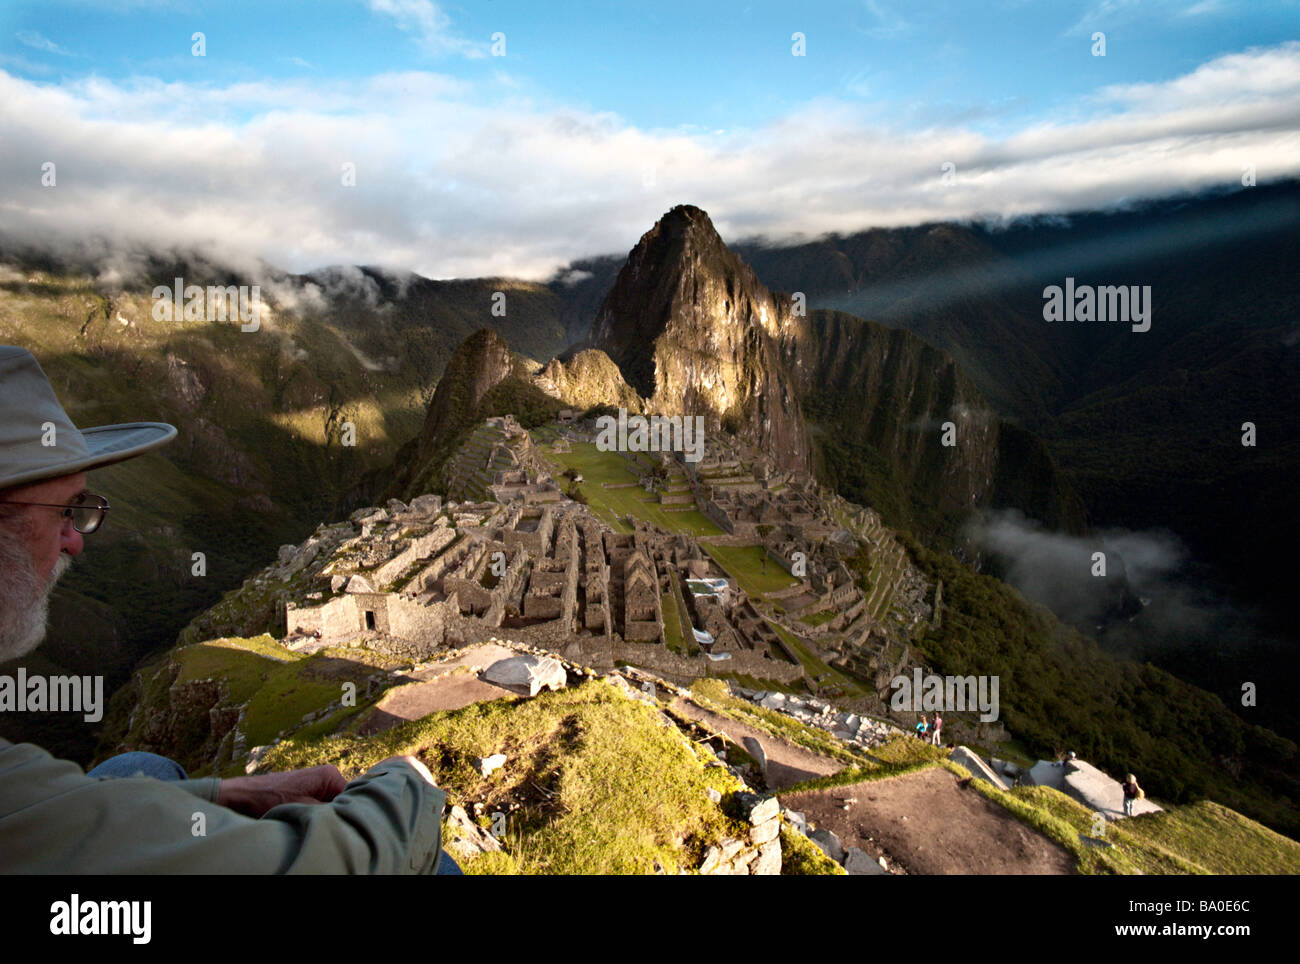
(612, 505)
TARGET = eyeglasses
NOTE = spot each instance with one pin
(87, 511)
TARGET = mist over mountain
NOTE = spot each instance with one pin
(1147, 427)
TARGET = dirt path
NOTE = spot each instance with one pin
(927, 823)
(787, 763)
(438, 687)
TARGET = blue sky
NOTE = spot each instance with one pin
(690, 65)
(600, 116)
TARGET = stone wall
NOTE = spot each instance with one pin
(758, 853)
(422, 547)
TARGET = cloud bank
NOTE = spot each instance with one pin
(461, 180)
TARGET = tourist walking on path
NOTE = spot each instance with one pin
(936, 730)
(1132, 794)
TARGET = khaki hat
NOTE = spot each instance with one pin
(38, 440)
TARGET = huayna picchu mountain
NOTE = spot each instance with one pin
(693, 331)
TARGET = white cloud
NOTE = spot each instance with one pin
(431, 27)
(1104, 15)
(885, 21)
(454, 180)
(33, 39)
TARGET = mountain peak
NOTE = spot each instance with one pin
(685, 221)
(693, 331)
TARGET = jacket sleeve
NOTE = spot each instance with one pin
(205, 788)
(55, 819)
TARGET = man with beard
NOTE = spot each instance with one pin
(137, 813)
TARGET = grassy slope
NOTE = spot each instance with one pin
(604, 786)
(600, 784)
(278, 686)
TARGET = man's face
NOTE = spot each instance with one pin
(36, 546)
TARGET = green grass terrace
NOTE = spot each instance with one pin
(612, 505)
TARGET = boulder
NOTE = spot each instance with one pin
(829, 843)
(764, 811)
(358, 583)
(465, 838)
(255, 757)
(527, 674)
(980, 770)
(427, 504)
(712, 860)
(765, 832)
(1046, 773)
(755, 749)
(797, 820)
(730, 847)
(858, 863)
(1100, 792)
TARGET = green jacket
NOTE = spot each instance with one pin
(55, 819)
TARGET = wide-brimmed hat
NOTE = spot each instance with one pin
(38, 440)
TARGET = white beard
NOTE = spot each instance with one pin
(24, 597)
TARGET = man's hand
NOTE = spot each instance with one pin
(420, 768)
(253, 796)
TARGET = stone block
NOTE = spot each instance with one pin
(763, 832)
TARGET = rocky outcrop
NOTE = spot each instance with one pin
(980, 770)
(689, 329)
(480, 364)
(482, 379)
(190, 721)
(693, 331)
(759, 852)
(586, 380)
(527, 674)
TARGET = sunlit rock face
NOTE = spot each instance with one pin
(694, 332)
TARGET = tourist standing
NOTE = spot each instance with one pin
(1132, 794)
